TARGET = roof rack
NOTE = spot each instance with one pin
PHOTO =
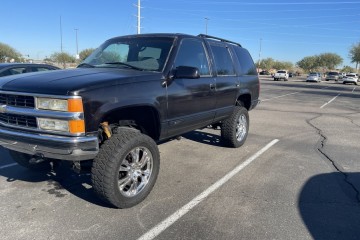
(220, 39)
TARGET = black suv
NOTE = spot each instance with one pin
(130, 93)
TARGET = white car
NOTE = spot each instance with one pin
(281, 74)
(314, 77)
(351, 78)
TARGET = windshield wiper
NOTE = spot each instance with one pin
(85, 65)
(126, 64)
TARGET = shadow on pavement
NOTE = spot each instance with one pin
(60, 181)
(204, 137)
(330, 206)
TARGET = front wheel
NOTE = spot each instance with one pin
(126, 168)
(234, 129)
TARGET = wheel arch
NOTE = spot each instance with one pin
(244, 100)
(143, 117)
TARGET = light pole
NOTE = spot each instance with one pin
(61, 43)
(259, 55)
(206, 25)
(77, 47)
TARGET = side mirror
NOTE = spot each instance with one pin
(181, 72)
(186, 72)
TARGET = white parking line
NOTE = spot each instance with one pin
(8, 165)
(330, 101)
(155, 231)
(279, 96)
(353, 89)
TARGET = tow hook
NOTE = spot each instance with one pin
(37, 158)
(76, 167)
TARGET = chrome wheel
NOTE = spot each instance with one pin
(235, 128)
(135, 171)
(241, 127)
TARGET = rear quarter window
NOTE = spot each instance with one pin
(246, 62)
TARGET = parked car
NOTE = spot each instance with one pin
(314, 77)
(351, 78)
(130, 94)
(281, 74)
(291, 74)
(332, 76)
(264, 72)
(342, 75)
(7, 69)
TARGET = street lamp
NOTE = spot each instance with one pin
(206, 25)
(77, 47)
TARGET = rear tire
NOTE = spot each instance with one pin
(234, 130)
(126, 168)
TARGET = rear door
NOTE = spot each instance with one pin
(227, 83)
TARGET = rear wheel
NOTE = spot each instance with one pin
(126, 168)
(234, 130)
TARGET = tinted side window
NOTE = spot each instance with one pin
(192, 54)
(5, 73)
(39, 69)
(246, 62)
(223, 61)
(17, 70)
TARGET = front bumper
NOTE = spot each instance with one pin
(50, 146)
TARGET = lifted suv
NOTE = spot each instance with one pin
(129, 94)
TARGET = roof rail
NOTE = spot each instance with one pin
(216, 38)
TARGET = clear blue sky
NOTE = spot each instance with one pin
(290, 30)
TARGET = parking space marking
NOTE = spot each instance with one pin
(155, 231)
(279, 96)
(330, 101)
(8, 165)
(353, 89)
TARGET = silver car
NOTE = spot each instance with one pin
(314, 77)
(332, 76)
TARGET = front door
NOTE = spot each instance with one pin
(191, 102)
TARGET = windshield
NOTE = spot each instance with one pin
(333, 73)
(313, 74)
(139, 53)
(281, 71)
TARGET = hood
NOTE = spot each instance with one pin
(73, 81)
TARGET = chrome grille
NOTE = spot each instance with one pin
(18, 120)
(17, 100)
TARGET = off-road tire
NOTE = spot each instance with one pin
(237, 123)
(23, 160)
(114, 154)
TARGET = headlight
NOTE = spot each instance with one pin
(52, 104)
(64, 105)
(71, 126)
(68, 122)
(53, 124)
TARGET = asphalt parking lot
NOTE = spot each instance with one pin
(296, 177)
